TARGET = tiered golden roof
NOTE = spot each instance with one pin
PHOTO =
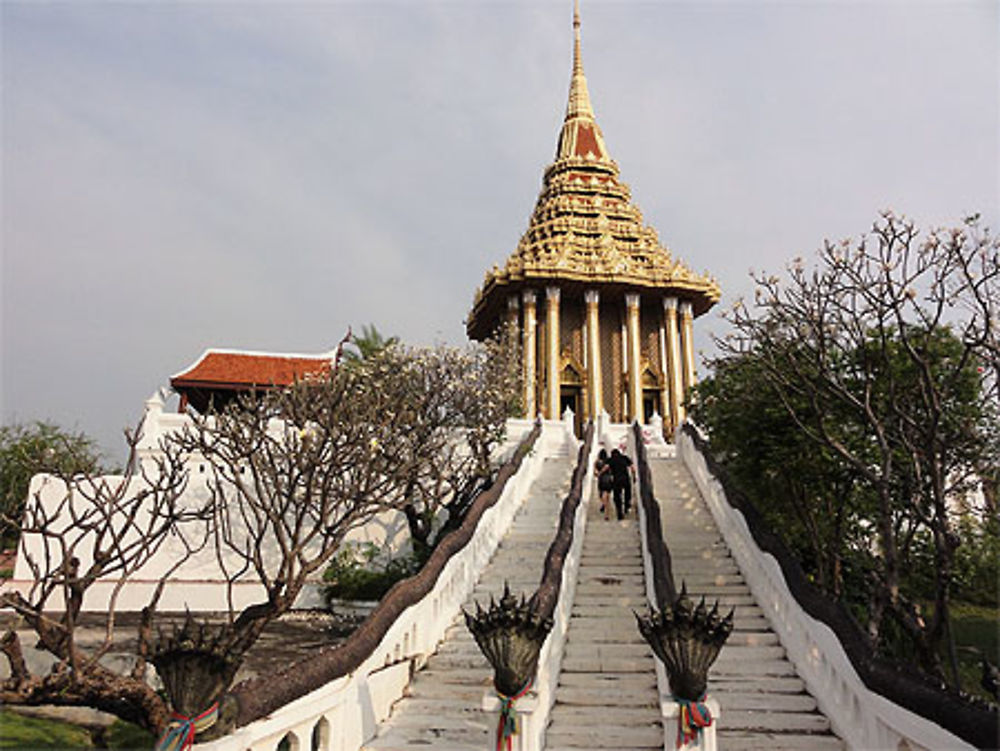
(585, 228)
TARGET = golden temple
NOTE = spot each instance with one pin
(619, 308)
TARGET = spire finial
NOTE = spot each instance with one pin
(577, 59)
(579, 99)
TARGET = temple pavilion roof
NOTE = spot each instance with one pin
(220, 374)
(585, 228)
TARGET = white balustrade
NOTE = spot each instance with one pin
(669, 709)
(344, 714)
(532, 710)
(863, 718)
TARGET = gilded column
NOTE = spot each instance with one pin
(552, 358)
(687, 339)
(529, 349)
(674, 371)
(592, 300)
(665, 378)
(634, 377)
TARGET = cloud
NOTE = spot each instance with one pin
(177, 176)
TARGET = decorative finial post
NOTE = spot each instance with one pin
(510, 634)
(687, 640)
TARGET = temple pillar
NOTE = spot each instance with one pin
(591, 299)
(529, 348)
(674, 370)
(687, 342)
(665, 409)
(634, 376)
(552, 357)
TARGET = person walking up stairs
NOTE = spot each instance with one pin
(607, 697)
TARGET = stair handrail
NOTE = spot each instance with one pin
(664, 588)
(886, 687)
(550, 587)
(316, 680)
(543, 617)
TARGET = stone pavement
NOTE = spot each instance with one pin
(764, 703)
(607, 696)
(442, 707)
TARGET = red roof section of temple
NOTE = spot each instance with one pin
(241, 370)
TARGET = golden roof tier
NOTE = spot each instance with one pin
(585, 230)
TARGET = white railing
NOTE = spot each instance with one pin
(533, 710)
(669, 709)
(864, 719)
(344, 714)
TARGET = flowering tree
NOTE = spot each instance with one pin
(455, 403)
(885, 356)
(283, 476)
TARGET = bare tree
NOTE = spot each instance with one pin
(898, 336)
(103, 529)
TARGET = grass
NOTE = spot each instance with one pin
(124, 735)
(28, 733)
(24, 733)
(976, 634)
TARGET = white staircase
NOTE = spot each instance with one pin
(763, 702)
(607, 696)
(442, 707)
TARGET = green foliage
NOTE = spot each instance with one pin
(29, 449)
(357, 573)
(977, 562)
(856, 404)
(23, 733)
(804, 490)
(368, 344)
(126, 736)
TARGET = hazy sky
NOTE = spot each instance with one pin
(261, 175)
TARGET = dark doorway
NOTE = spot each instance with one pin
(571, 397)
(650, 404)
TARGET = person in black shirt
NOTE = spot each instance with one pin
(623, 473)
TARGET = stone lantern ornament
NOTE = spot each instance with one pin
(510, 633)
(687, 640)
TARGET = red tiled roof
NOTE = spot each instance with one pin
(245, 369)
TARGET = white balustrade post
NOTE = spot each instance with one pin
(704, 741)
(656, 424)
(525, 710)
(567, 418)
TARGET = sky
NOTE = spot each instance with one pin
(263, 175)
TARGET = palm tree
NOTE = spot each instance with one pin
(368, 344)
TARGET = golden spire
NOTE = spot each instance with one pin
(579, 98)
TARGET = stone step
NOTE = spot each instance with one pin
(763, 684)
(599, 695)
(771, 721)
(755, 741)
(760, 701)
(615, 728)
